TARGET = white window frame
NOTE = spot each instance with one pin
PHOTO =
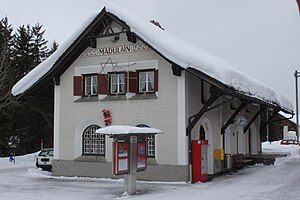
(151, 146)
(146, 81)
(93, 143)
(120, 81)
(90, 87)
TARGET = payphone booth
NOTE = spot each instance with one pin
(129, 151)
(199, 160)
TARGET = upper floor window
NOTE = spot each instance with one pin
(146, 81)
(90, 85)
(93, 143)
(117, 83)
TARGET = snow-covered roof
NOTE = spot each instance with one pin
(184, 54)
(126, 130)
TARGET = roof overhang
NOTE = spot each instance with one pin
(81, 42)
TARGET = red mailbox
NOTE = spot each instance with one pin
(199, 160)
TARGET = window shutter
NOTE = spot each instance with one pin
(102, 84)
(77, 86)
(133, 82)
(156, 80)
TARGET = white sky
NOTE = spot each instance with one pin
(259, 37)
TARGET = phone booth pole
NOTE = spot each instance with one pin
(130, 178)
(129, 151)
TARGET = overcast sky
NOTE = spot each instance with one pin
(259, 37)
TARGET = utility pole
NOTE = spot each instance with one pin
(297, 74)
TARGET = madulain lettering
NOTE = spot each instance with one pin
(115, 50)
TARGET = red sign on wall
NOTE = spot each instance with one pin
(141, 156)
(120, 158)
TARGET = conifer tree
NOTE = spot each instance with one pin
(20, 53)
(6, 70)
(53, 47)
(23, 51)
(40, 50)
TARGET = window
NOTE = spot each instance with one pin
(117, 83)
(90, 85)
(151, 146)
(146, 81)
(93, 143)
(150, 143)
(202, 133)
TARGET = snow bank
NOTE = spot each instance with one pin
(21, 161)
(276, 147)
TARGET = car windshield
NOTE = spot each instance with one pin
(46, 152)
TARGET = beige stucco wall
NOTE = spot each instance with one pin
(160, 113)
(165, 112)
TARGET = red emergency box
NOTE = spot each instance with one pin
(199, 160)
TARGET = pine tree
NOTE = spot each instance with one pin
(6, 70)
(20, 53)
(53, 47)
(23, 51)
(40, 50)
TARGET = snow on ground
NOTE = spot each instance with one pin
(21, 180)
(21, 161)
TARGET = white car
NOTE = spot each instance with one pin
(44, 159)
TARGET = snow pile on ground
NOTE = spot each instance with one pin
(22, 180)
(276, 147)
(20, 161)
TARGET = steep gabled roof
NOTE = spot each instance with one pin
(185, 55)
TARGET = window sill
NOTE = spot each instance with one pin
(144, 96)
(87, 99)
(86, 158)
(115, 98)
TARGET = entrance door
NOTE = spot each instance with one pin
(205, 133)
(253, 140)
(241, 140)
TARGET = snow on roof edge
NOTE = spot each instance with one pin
(43, 68)
(175, 49)
(188, 55)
